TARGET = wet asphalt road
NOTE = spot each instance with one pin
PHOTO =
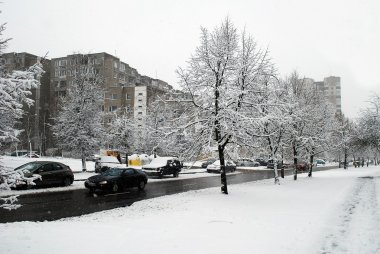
(57, 205)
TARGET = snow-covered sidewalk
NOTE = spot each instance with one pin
(336, 211)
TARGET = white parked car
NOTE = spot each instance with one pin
(106, 162)
(215, 167)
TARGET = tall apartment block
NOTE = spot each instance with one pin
(35, 119)
(332, 90)
(124, 87)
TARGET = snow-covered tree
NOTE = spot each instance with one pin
(343, 138)
(78, 124)
(221, 78)
(367, 138)
(15, 89)
(308, 113)
(273, 121)
(121, 131)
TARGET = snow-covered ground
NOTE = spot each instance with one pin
(336, 211)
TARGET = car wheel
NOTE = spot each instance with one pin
(161, 174)
(141, 185)
(175, 174)
(115, 187)
(66, 181)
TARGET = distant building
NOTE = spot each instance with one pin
(34, 121)
(332, 90)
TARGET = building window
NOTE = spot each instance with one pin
(115, 64)
(102, 108)
(115, 75)
(140, 100)
(112, 108)
(140, 106)
(141, 94)
(62, 63)
(140, 113)
(127, 96)
(114, 96)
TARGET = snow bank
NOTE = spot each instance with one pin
(75, 164)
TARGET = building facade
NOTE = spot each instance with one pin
(125, 90)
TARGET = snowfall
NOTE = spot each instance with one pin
(335, 211)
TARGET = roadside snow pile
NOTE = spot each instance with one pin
(323, 214)
(13, 162)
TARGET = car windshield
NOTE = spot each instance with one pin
(31, 167)
(216, 163)
(113, 172)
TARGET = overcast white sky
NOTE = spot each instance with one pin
(316, 38)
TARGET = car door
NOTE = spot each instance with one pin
(58, 174)
(47, 174)
(169, 167)
(129, 178)
(229, 166)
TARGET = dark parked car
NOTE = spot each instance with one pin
(247, 163)
(52, 173)
(262, 162)
(163, 166)
(116, 179)
(215, 167)
(303, 166)
(208, 162)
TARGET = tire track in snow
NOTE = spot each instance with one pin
(356, 227)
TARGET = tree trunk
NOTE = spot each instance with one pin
(223, 176)
(276, 179)
(83, 160)
(339, 166)
(295, 160)
(311, 165)
(345, 158)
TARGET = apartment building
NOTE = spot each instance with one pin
(125, 90)
(331, 88)
(333, 92)
(34, 121)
